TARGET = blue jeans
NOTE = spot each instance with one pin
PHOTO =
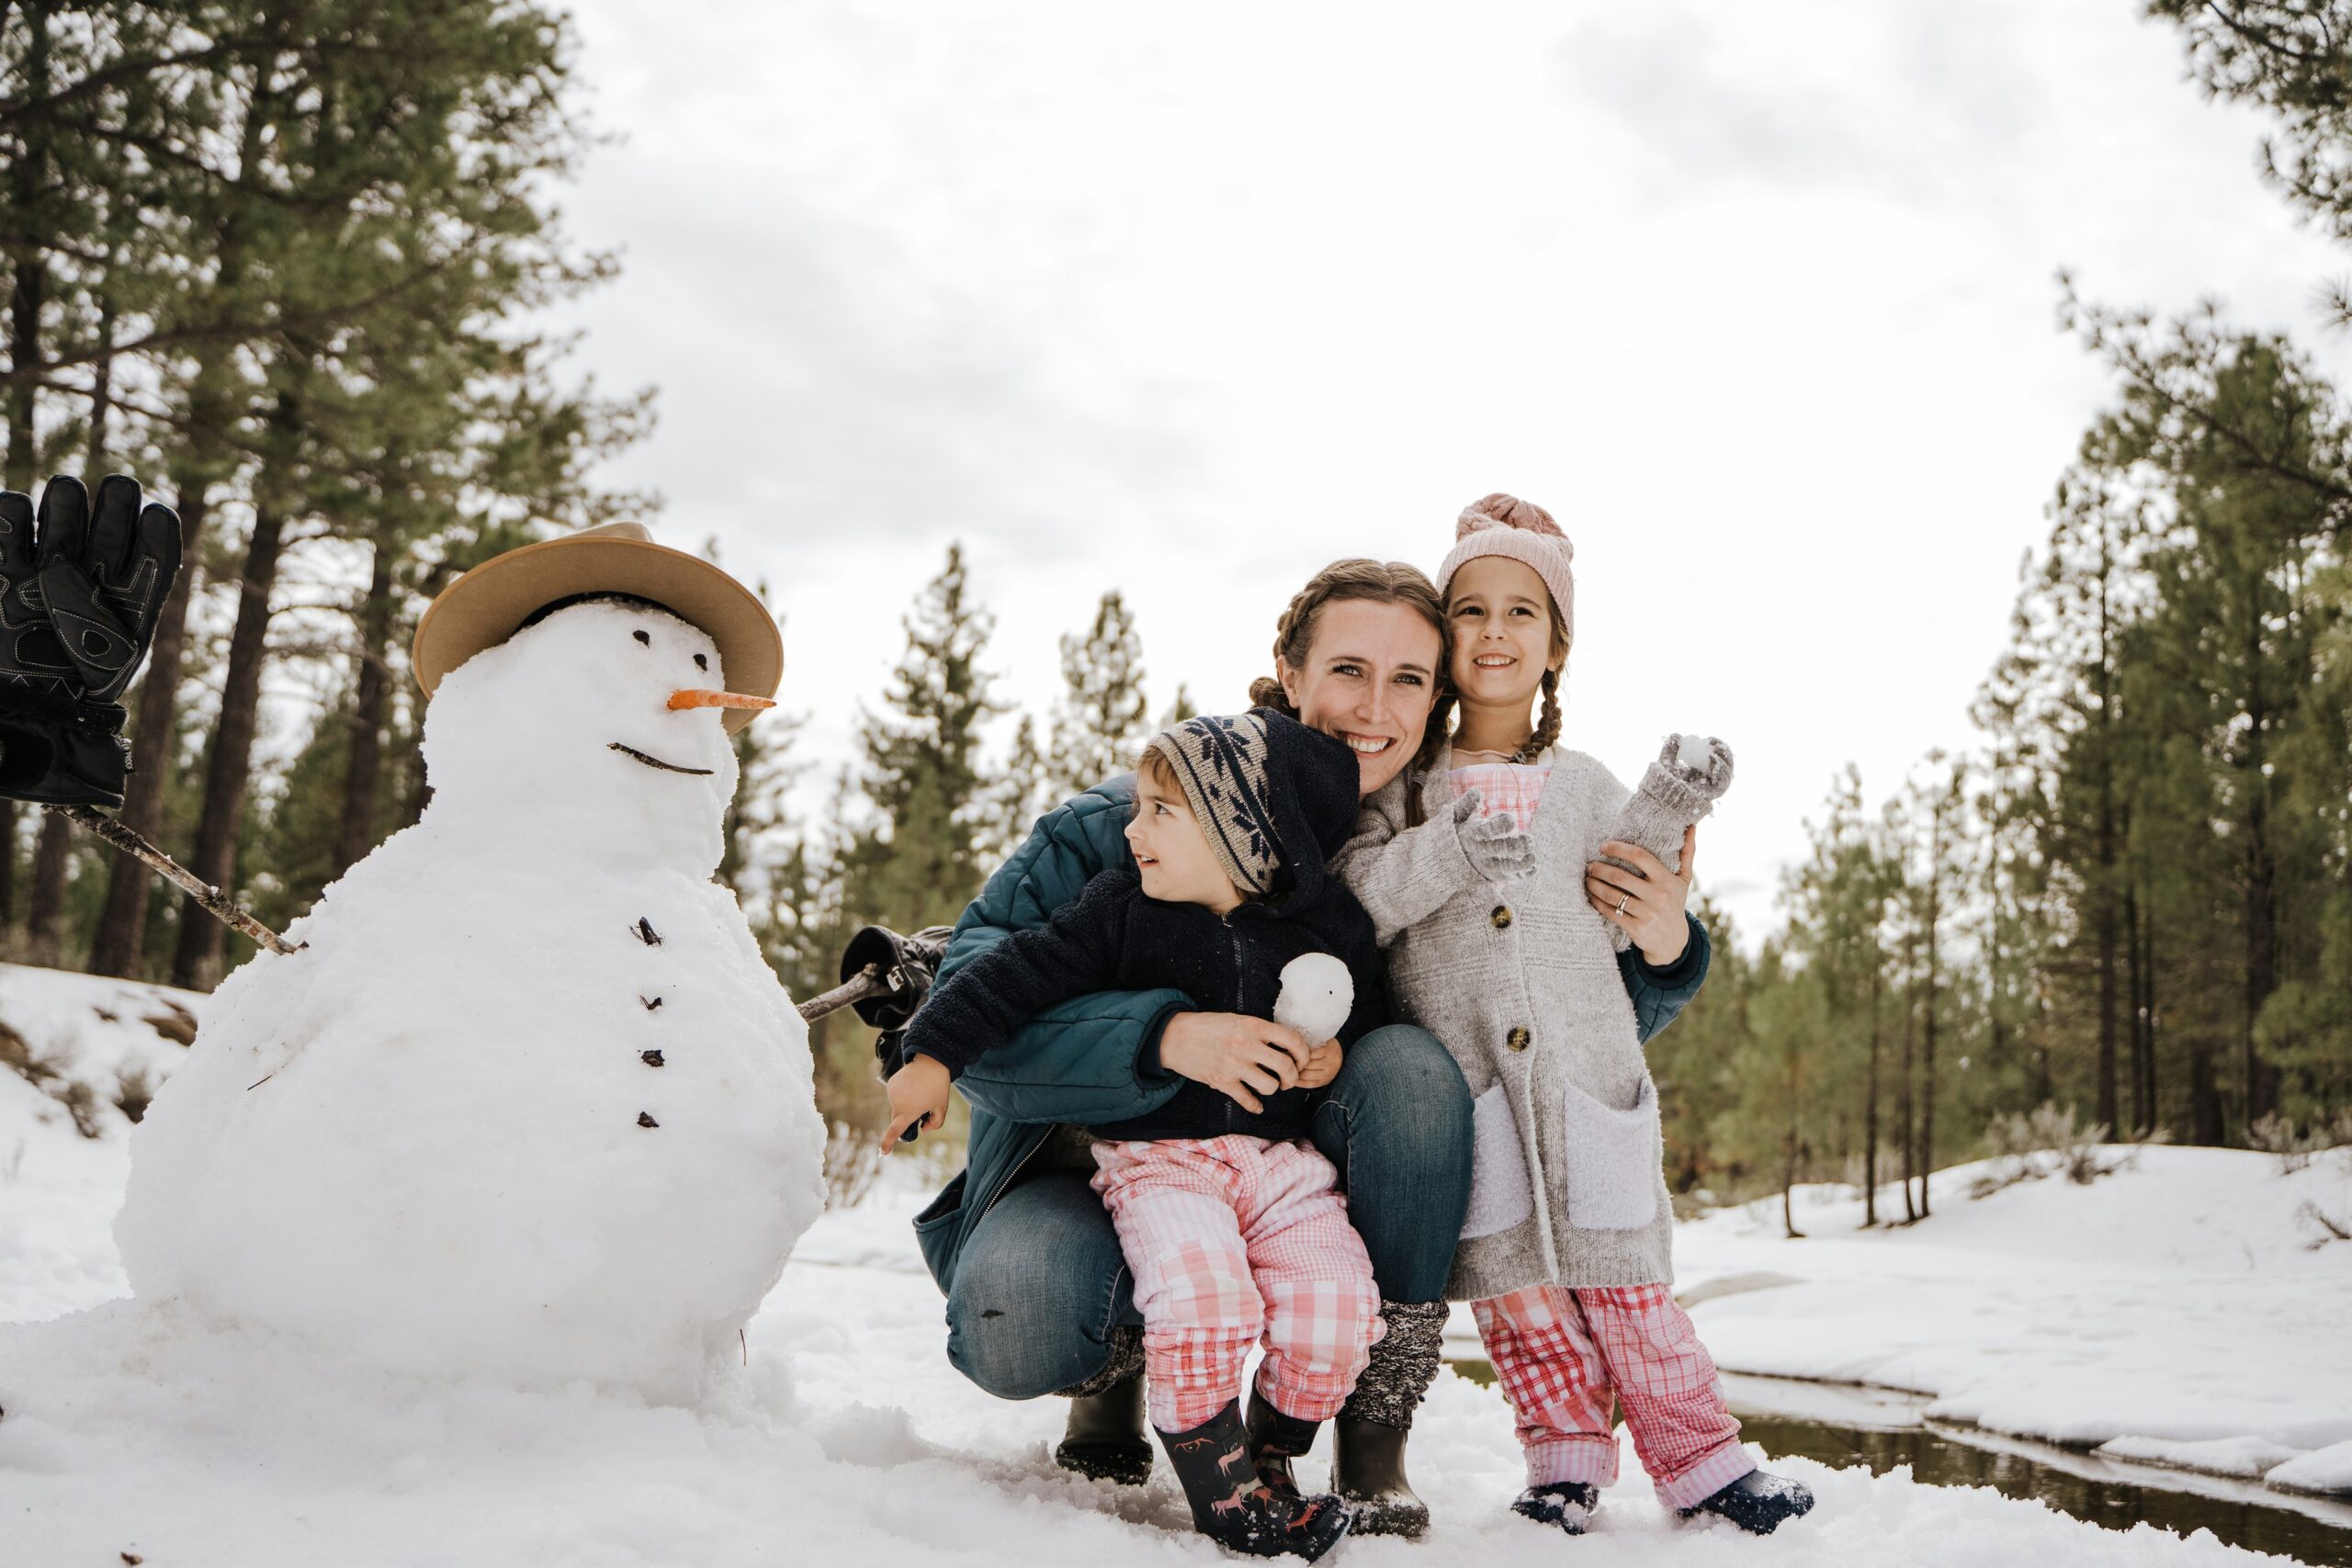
(1041, 1284)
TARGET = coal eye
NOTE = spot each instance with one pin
(700, 662)
(643, 636)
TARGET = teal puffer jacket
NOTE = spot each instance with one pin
(1081, 1062)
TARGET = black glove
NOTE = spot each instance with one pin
(61, 754)
(79, 596)
(908, 964)
(104, 575)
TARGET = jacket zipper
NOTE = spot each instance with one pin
(1233, 1107)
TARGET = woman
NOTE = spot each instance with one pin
(1038, 1297)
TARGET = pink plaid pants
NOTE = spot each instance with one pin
(1233, 1240)
(1559, 1354)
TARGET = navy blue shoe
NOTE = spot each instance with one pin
(1758, 1502)
(1565, 1504)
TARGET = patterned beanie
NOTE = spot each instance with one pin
(1505, 525)
(1221, 764)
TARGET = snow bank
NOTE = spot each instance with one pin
(2175, 1311)
(140, 1429)
(107, 1043)
(528, 1106)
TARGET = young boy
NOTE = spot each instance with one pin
(1230, 1220)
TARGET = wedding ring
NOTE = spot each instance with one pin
(1621, 903)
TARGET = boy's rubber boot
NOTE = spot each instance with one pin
(1368, 1472)
(1566, 1505)
(1235, 1510)
(1276, 1440)
(1758, 1502)
(1104, 1440)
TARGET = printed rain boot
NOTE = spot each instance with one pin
(1276, 1440)
(1758, 1502)
(1568, 1505)
(1236, 1510)
(1104, 1440)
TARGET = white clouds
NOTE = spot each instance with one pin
(1758, 299)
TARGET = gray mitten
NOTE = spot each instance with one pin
(1691, 772)
(1499, 850)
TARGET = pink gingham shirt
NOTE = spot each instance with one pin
(1514, 788)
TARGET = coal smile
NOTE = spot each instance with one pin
(656, 762)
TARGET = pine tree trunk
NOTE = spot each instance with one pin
(52, 853)
(1869, 1113)
(228, 759)
(2261, 867)
(2204, 1093)
(363, 772)
(2261, 950)
(2132, 1010)
(1936, 845)
(2147, 1021)
(27, 289)
(1903, 1093)
(121, 945)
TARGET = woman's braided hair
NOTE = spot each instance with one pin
(1378, 583)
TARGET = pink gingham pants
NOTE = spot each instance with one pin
(1559, 1355)
(1235, 1240)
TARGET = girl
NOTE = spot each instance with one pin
(1498, 946)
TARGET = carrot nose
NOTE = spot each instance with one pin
(702, 697)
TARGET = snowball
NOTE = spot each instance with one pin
(528, 1107)
(1318, 993)
(1696, 753)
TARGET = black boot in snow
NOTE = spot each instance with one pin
(1235, 1510)
(1758, 1502)
(1276, 1440)
(1368, 1472)
(1104, 1440)
(1368, 1439)
(1567, 1504)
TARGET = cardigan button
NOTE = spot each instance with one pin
(1518, 1038)
(1501, 916)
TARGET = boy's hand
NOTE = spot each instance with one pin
(1240, 1056)
(917, 1099)
(1322, 1065)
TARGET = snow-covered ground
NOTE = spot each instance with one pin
(134, 1430)
(2181, 1311)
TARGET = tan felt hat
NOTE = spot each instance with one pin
(489, 604)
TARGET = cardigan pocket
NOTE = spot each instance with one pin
(1613, 1160)
(1502, 1195)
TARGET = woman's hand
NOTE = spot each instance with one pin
(917, 1099)
(1234, 1054)
(1648, 905)
(1322, 1065)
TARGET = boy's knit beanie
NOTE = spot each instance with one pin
(1221, 764)
(1505, 525)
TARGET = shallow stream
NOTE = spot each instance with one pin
(1843, 1426)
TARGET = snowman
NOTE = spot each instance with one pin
(526, 1105)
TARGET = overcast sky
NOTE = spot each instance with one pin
(1190, 300)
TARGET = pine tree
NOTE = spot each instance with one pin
(1099, 720)
(920, 863)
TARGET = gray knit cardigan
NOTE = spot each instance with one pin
(1521, 982)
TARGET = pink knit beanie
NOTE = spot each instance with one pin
(1505, 525)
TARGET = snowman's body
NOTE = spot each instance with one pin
(528, 1105)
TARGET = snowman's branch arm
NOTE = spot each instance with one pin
(856, 988)
(210, 898)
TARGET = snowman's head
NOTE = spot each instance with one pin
(595, 730)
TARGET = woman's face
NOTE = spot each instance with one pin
(1369, 678)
